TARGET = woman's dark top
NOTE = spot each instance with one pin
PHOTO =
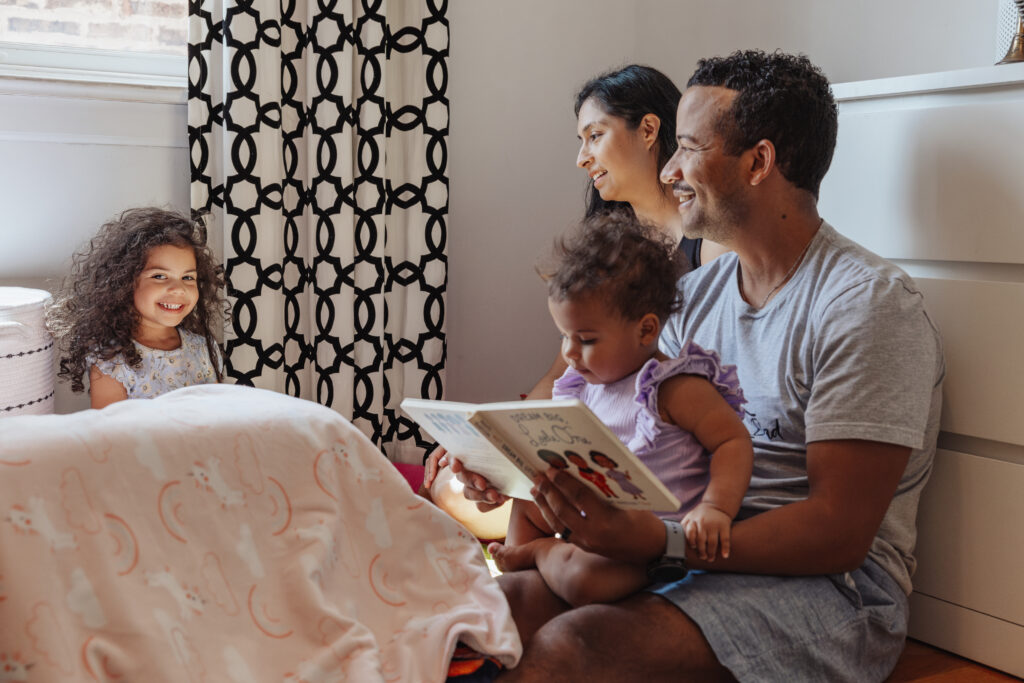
(692, 250)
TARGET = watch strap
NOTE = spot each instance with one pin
(675, 540)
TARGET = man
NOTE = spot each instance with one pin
(842, 369)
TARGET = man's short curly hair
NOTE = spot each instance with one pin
(630, 265)
(782, 98)
(93, 315)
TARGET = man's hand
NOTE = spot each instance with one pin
(707, 529)
(477, 488)
(594, 525)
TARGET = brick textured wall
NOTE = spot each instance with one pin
(145, 25)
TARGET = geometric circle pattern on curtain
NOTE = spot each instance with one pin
(318, 144)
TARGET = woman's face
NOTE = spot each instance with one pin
(622, 162)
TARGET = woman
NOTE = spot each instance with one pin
(626, 123)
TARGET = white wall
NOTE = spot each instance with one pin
(71, 157)
(67, 165)
(513, 73)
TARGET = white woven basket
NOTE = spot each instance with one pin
(26, 353)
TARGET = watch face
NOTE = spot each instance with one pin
(666, 571)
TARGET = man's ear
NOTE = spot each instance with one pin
(649, 127)
(650, 329)
(762, 161)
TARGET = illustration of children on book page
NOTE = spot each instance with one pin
(591, 475)
(621, 478)
(553, 459)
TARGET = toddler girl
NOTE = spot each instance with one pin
(138, 309)
(612, 289)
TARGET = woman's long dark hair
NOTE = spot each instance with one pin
(631, 93)
(93, 314)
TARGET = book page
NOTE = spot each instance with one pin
(567, 435)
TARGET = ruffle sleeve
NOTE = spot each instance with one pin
(570, 385)
(692, 360)
(116, 368)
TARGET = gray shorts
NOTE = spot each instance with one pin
(843, 627)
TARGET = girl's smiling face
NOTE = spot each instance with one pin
(166, 290)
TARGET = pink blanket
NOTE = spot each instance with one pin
(223, 533)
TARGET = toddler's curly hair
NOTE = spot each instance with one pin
(93, 313)
(631, 265)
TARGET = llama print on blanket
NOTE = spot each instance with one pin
(208, 478)
(337, 547)
(187, 598)
(13, 667)
(327, 475)
(35, 521)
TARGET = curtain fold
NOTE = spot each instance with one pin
(317, 134)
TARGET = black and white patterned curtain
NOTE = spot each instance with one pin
(317, 134)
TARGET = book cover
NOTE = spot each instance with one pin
(511, 442)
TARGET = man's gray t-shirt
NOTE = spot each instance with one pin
(845, 350)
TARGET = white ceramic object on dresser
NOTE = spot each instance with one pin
(26, 353)
(929, 172)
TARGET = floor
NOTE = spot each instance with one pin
(925, 664)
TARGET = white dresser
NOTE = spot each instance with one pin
(929, 172)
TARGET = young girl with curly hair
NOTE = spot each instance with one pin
(137, 311)
(610, 292)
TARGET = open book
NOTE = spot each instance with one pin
(512, 442)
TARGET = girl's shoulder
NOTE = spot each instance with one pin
(116, 367)
(693, 360)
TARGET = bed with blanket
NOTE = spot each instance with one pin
(224, 533)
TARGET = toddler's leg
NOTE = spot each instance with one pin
(581, 578)
(514, 558)
(526, 523)
(526, 526)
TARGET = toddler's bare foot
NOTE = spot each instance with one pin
(513, 558)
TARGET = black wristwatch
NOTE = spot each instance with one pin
(672, 565)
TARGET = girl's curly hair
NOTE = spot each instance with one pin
(630, 264)
(93, 314)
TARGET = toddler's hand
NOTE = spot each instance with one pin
(707, 529)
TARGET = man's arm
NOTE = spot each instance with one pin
(851, 485)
